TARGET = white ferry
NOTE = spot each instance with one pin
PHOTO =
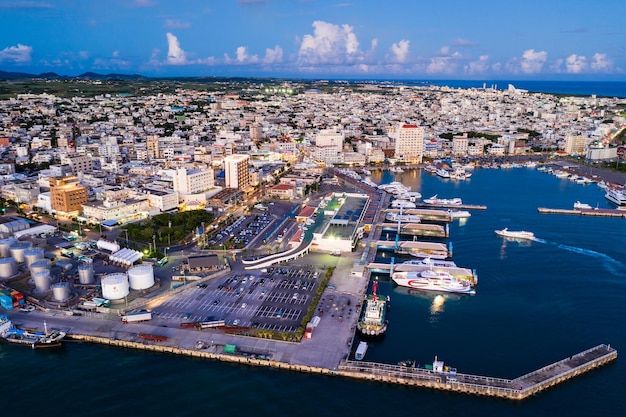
(515, 234)
(617, 197)
(429, 280)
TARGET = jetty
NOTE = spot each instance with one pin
(444, 378)
(584, 212)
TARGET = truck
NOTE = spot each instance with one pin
(137, 317)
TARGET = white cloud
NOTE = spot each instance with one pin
(531, 62)
(175, 54)
(400, 50)
(273, 56)
(575, 64)
(443, 64)
(478, 67)
(601, 63)
(176, 24)
(17, 54)
(329, 44)
(462, 42)
(244, 58)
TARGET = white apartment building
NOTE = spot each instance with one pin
(460, 145)
(162, 200)
(79, 163)
(108, 210)
(575, 144)
(193, 181)
(237, 174)
(410, 143)
(599, 152)
(329, 137)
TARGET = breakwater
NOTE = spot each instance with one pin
(515, 389)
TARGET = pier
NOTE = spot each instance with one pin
(512, 389)
(585, 212)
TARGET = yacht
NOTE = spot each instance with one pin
(402, 218)
(581, 206)
(459, 214)
(431, 262)
(515, 234)
(443, 201)
(405, 204)
(617, 197)
(443, 173)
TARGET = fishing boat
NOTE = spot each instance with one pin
(34, 339)
(521, 234)
(373, 317)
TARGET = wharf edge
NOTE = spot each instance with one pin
(515, 389)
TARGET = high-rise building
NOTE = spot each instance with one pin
(237, 174)
(329, 137)
(575, 144)
(193, 181)
(67, 195)
(410, 143)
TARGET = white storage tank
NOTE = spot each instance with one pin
(61, 291)
(141, 277)
(86, 273)
(18, 249)
(5, 245)
(106, 245)
(42, 280)
(8, 267)
(40, 265)
(32, 255)
(114, 286)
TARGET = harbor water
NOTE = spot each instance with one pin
(536, 302)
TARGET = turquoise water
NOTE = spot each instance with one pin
(536, 302)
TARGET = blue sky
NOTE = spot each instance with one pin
(400, 39)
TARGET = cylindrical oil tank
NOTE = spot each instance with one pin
(8, 267)
(106, 245)
(64, 264)
(40, 265)
(61, 291)
(5, 245)
(42, 280)
(115, 286)
(18, 249)
(141, 277)
(31, 255)
(85, 273)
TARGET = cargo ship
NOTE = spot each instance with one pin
(373, 320)
(34, 339)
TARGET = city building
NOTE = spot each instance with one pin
(66, 195)
(237, 174)
(409, 143)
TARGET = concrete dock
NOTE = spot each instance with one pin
(584, 212)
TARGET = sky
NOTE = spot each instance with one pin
(341, 39)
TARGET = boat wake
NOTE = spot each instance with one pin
(612, 265)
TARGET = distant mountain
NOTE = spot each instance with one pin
(4, 75)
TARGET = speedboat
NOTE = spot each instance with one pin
(515, 234)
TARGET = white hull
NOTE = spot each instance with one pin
(616, 197)
(450, 284)
(402, 218)
(515, 234)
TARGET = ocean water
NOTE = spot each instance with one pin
(536, 302)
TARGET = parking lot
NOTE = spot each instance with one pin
(273, 299)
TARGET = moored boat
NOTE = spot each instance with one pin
(34, 339)
(617, 197)
(373, 320)
(431, 280)
(434, 200)
(581, 206)
(360, 351)
(402, 218)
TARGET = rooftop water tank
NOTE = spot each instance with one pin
(40, 265)
(8, 267)
(42, 281)
(141, 277)
(18, 249)
(61, 291)
(86, 273)
(115, 286)
(32, 255)
(5, 245)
